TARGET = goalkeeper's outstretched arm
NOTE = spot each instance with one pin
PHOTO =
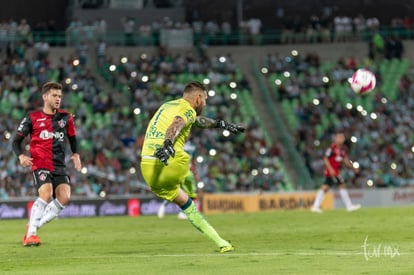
(205, 122)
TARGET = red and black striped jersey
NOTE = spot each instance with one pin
(48, 134)
(336, 156)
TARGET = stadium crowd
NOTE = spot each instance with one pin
(327, 26)
(292, 29)
(377, 126)
(111, 121)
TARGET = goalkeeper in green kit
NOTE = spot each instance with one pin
(165, 164)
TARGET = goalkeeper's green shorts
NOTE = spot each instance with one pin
(165, 180)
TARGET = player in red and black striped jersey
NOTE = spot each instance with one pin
(334, 157)
(49, 130)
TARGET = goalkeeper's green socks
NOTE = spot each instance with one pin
(198, 221)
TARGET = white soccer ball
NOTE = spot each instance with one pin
(362, 81)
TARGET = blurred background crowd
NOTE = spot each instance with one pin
(113, 95)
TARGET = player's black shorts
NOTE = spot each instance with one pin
(42, 176)
(334, 181)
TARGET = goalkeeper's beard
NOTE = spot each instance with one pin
(199, 110)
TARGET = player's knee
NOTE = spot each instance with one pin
(46, 191)
(63, 193)
(182, 198)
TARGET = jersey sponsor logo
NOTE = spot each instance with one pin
(44, 134)
(189, 115)
(154, 133)
(62, 123)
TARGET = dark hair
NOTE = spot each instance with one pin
(194, 86)
(51, 85)
(339, 132)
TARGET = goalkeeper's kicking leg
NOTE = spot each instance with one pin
(198, 221)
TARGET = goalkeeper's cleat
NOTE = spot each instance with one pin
(32, 240)
(227, 248)
(25, 233)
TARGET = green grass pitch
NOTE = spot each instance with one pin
(369, 241)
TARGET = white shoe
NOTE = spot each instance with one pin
(161, 211)
(182, 216)
(353, 207)
(316, 210)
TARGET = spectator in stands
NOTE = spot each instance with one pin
(128, 24)
(255, 25)
(82, 51)
(100, 29)
(74, 32)
(359, 26)
(377, 46)
(42, 48)
(145, 35)
(408, 27)
(24, 32)
(100, 52)
(226, 32)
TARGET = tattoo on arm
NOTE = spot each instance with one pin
(205, 122)
(175, 128)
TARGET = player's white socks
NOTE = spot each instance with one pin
(345, 197)
(319, 198)
(35, 216)
(52, 211)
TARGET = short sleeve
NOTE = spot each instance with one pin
(188, 114)
(71, 126)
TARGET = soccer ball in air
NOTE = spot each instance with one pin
(362, 81)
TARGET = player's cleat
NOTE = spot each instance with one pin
(32, 240)
(182, 216)
(353, 207)
(316, 210)
(25, 233)
(227, 248)
(161, 211)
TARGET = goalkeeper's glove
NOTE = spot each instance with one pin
(163, 153)
(233, 128)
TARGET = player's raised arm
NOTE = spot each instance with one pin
(205, 122)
